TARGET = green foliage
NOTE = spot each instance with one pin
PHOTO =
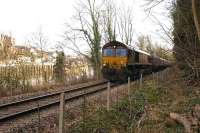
(157, 103)
(119, 118)
(195, 101)
(124, 114)
(59, 67)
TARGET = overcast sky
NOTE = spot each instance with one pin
(22, 17)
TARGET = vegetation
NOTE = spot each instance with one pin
(88, 16)
(59, 72)
(25, 68)
(98, 22)
(164, 101)
(186, 41)
(146, 44)
(6, 42)
(21, 78)
(147, 109)
(40, 40)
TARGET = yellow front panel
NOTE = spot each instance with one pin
(115, 62)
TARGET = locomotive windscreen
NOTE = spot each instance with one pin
(121, 52)
(108, 52)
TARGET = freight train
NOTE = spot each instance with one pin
(120, 61)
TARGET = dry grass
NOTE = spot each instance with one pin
(167, 93)
(45, 86)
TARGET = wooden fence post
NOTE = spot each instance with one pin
(141, 76)
(157, 79)
(161, 75)
(108, 96)
(129, 86)
(61, 112)
(129, 97)
(11, 91)
(153, 80)
(38, 110)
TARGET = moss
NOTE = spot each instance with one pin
(194, 101)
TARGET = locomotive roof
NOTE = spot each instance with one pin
(140, 51)
(114, 43)
(117, 43)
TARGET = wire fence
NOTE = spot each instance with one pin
(89, 106)
(20, 79)
(78, 112)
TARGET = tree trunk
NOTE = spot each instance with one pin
(98, 72)
(196, 22)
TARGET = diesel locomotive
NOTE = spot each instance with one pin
(120, 61)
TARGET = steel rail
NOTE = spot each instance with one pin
(47, 95)
(50, 104)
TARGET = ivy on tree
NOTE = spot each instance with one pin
(59, 67)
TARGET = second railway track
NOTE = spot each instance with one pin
(19, 108)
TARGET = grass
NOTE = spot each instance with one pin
(154, 101)
(120, 118)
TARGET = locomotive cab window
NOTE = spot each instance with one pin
(121, 52)
(108, 52)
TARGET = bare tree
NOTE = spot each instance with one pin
(185, 34)
(97, 21)
(125, 25)
(40, 41)
(154, 3)
(141, 42)
(87, 33)
(109, 20)
(6, 42)
(145, 43)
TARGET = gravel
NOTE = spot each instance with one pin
(48, 122)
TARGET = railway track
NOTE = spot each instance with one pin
(20, 108)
